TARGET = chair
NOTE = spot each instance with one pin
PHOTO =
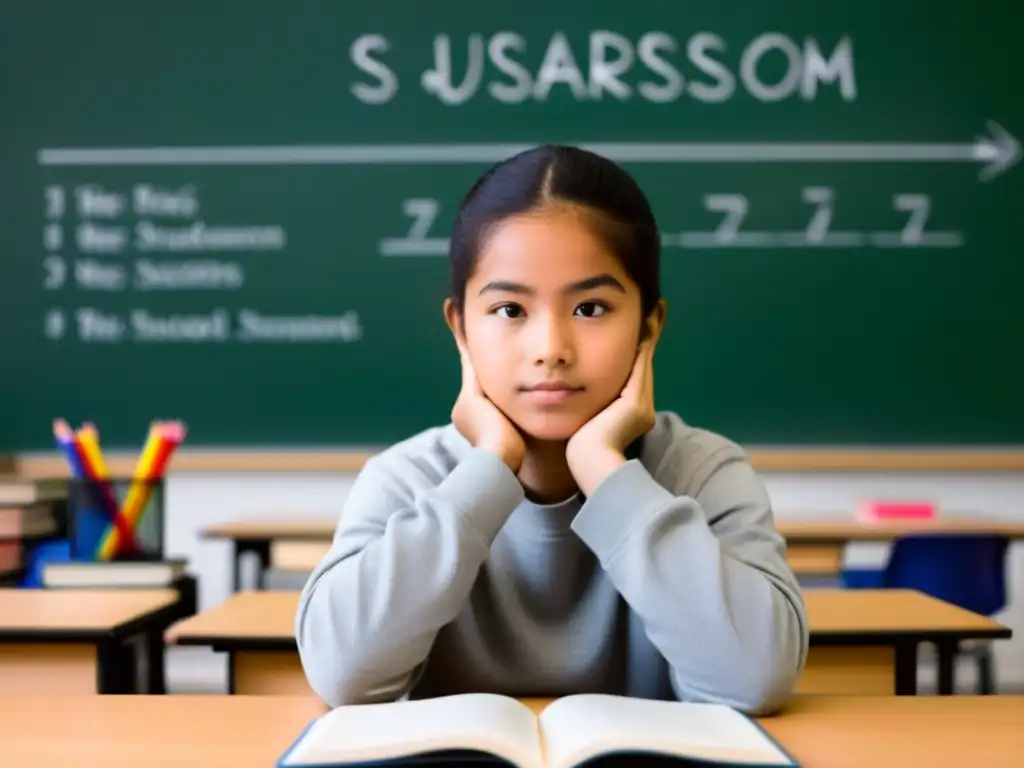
(968, 571)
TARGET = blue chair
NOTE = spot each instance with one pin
(966, 570)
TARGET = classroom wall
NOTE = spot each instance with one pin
(197, 500)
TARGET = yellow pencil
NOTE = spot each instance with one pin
(139, 491)
(89, 440)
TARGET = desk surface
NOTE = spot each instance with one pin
(270, 617)
(841, 530)
(282, 529)
(838, 529)
(892, 611)
(77, 611)
(820, 732)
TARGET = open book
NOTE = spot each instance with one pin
(570, 731)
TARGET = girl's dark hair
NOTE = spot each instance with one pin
(552, 175)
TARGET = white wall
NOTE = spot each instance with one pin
(195, 501)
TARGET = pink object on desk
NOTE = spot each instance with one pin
(883, 511)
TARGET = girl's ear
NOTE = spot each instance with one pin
(654, 323)
(451, 317)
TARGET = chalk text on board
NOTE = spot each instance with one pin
(218, 325)
(732, 210)
(147, 237)
(93, 201)
(98, 208)
(92, 237)
(95, 325)
(146, 275)
(197, 236)
(655, 67)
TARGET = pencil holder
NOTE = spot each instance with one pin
(116, 519)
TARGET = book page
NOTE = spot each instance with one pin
(497, 725)
(576, 728)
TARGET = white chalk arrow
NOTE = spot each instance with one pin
(996, 152)
(1000, 151)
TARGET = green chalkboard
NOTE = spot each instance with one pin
(235, 213)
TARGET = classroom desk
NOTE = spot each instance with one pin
(815, 547)
(83, 640)
(217, 731)
(260, 537)
(862, 641)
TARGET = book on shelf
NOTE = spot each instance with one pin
(28, 521)
(101, 574)
(567, 733)
(16, 491)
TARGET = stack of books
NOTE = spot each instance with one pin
(31, 512)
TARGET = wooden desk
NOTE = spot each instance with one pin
(260, 537)
(82, 640)
(815, 547)
(862, 641)
(820, 732)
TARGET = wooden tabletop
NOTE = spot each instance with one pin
(215, 731)
(252, 615)
(283, 529)
(892, 611)
(77, 611)
(833, 529)
(269, 616)
(245, 615)
(153, 731)
(842, 530)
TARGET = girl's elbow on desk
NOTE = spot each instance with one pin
(756, 690)
(760, 673)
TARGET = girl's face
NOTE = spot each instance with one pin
(552, 322)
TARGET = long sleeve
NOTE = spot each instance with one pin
(401, 566)
(707, 576)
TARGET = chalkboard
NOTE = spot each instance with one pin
(236, 213)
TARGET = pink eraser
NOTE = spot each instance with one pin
(881, 509)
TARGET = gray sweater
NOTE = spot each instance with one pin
(669, 582)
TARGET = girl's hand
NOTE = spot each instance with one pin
(482, 424)
(597, 449)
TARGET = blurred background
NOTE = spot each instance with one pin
(236, 215)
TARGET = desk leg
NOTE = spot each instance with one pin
(946, 660)
(231, 672)
(156, 676)
(236, 565)
(906, 669)
(115, 667)
(261, 550)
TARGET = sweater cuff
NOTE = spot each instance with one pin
(484, 491)
(622, 503)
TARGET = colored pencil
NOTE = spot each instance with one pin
(81, 449)
(66, 442)
(163, 439)
(111, 539)
(96, 469)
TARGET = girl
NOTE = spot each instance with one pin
(559, 536)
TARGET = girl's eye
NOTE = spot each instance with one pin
(510, 311)
(591, 309)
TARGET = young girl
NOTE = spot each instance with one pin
(560, 535)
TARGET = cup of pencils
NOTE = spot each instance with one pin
(116, 518)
